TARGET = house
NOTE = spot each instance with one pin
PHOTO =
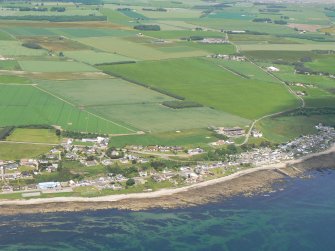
(272, 69)
(48, 185)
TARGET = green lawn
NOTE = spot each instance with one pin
(34, 135)
(204, 82)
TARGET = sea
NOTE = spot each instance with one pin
(298, 216)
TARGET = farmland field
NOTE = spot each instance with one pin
(134, 105)
(13, 151)
(55, 66)
(27, 105)
(225, 91)
(34, 135)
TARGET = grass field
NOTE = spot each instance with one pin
(140, 51)
(195, 137)
(323, 64)
(225, 91)
(286, 47)
(283, 129)
(55, 66)
(27, 105)
(34, 136)
(135, 105)
(10, 65)
(8, 79)
(13, 151)
(14, 48)
(93, 57)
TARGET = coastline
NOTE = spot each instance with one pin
(246, 182)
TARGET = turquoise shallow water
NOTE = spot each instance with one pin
(299, 218)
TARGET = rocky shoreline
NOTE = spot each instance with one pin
(247, 183)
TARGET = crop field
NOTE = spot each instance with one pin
(134, 105)
(323, 64)
(269, 56)
(174, 138)
(55, 66)
(94, 57)
(136, 50)
(286, 47)
(34, 136)
(13, 151)
(27, 105)
(10, 65)
(14, 48)
(247, 69)
(225, 91)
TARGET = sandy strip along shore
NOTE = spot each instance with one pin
(250, 181)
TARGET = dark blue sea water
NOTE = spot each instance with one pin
(299, 218)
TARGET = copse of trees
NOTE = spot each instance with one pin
(80, 135)
(5, 132)
(57, 9)
(177, 104)
(281, 22)
(262, 20)
(32, 45)
(147, 27)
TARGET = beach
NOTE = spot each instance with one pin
(247, 182)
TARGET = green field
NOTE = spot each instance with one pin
(13, 151)
(204, 82)
(55, 66)
(34, 136)
(14, 48)
(135, 105)
(180, 138)
(140, 51)
(93, 57)
(27, 105)
(323, 64)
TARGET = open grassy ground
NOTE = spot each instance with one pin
(283, 129)
(13, 151)
(248, 70)
(94, 57)
(135, 105)
(26, 105)
(8, 79)
(14, 48)
(286, 47)
(323, 64)
(204, 82)
(34, 136)
(55, 66)
(193, 137)
(141, 51)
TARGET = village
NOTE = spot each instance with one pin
(136, 157)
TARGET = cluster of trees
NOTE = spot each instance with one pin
(5, 132)
(57, 9)
(147, 27)
(177, 104)
(80, 135)
(128, 172)
(32, 45)
(76, 18)
(114, 63)
(155, 9)
(42, 9)
(262, 20)
(281, 22)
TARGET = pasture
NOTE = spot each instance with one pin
(135, 105)
(55, 66)
(34, 136)
(287, 47)
(204, 82)
(323, 64)
(28, 105)
(94, 57)
(14, 151)
(139, 51)
(14, 48)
